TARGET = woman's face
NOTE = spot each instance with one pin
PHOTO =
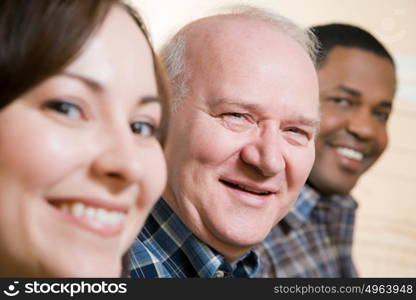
(80, 167)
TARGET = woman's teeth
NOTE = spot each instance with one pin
(96, 214)
(350, 153)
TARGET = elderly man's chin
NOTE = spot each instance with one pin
(237, 242)
(246, 239)
(245, 230)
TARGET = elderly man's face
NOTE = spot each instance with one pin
(242, 144)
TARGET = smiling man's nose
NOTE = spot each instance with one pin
(362, 125)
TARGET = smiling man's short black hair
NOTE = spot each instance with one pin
(345, 35)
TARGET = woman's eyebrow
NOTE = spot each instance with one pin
(97, 86)
(149, 99)
(91, 83)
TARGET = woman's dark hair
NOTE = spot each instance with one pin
(346, 35)
(163, 85)
(38, 38)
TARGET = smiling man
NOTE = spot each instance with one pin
(357, 85)
(240, 144)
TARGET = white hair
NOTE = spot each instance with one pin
(173, 58)
(173, 52)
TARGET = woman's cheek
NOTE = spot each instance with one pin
(155, 177)
(43, 154)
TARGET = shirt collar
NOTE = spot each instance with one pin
(205, 260)
(308, 199)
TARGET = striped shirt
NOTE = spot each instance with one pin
(166, 248)
(313, 240)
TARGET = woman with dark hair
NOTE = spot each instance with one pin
(81, 103)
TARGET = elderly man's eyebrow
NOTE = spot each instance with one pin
(254, 106)
(309, 122)
(237, 102)
(305, 121)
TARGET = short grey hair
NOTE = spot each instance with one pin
(172, 55)
(173, 52)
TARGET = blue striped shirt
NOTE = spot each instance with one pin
(313, 240)
(166, 248)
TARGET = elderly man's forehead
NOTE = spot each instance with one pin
(221, 26)
(229, 36)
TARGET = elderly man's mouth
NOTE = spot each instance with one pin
(255, 190)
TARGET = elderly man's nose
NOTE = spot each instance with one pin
(265, 154)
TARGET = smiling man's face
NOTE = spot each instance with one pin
(356, 93)
(242, 143)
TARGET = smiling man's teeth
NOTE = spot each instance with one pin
(101, 215)
(350, 153)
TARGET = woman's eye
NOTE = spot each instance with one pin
(72, 111)
(144, 129)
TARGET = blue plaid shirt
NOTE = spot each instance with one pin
(166, 248)
(313, 240)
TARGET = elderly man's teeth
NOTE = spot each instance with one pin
(78, 209)
(65, 208)
(350, 153)
(247, 189)
(90, 212)
(100, 214)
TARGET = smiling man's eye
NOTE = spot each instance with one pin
(382, 115)
(144, 129)
(71, 110)
(341, 101)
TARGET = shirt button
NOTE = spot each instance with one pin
(219, 274)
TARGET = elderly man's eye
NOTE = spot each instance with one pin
(235, 115)
(298, 136)
(144, 129)
(237, 121)
(63, 107)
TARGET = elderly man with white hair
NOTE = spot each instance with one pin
(240, 143)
